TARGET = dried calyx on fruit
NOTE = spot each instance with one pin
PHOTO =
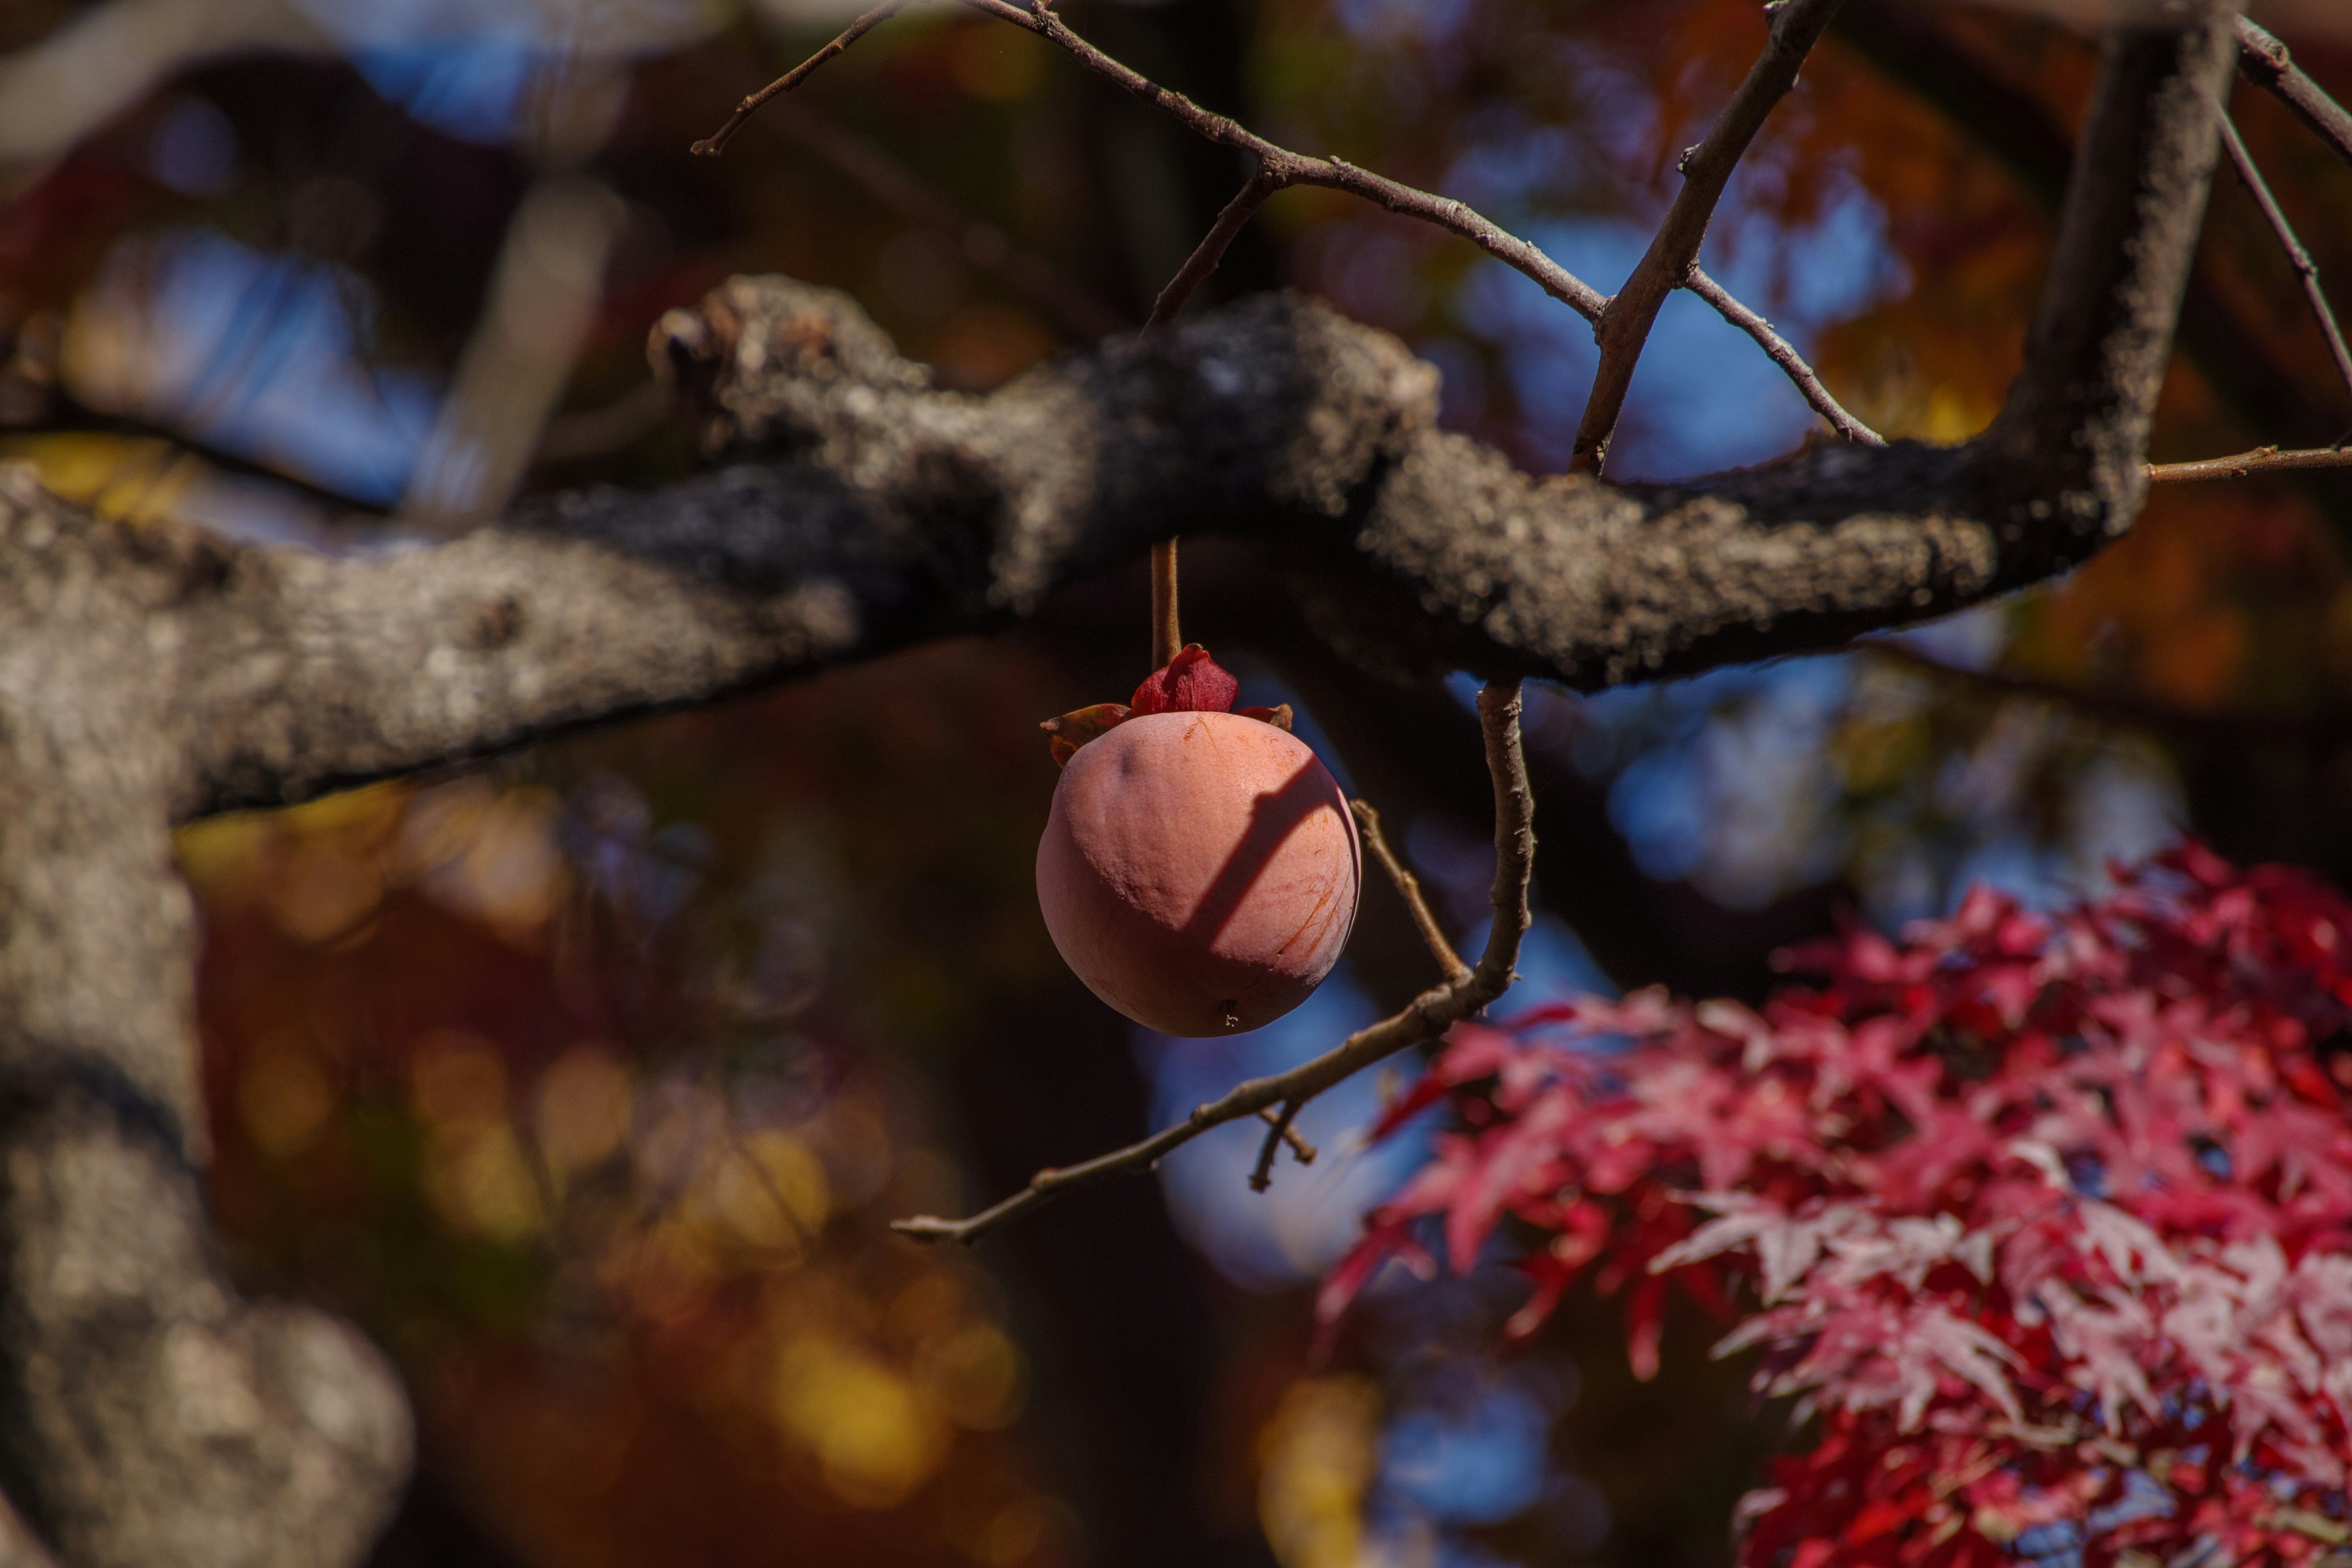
(1192, 682)
(1199, 870)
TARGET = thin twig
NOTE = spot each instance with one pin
(2260, 460)
(1277, 1133)
(715, 143)
(1667, 264)
(1429, 1016)
(1295, 169)
(2296, 256)
(1300, 1149)
(1213, 246)
(1166, 621)
(1167, 629)
(1785, 355)
(2265, 62)
(1407, 884)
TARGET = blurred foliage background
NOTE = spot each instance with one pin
(589, 1080)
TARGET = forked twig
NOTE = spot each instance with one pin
(1707, 169)
(715, 143)
(1300, 1149)
(1280, 168)
(1277, 1133)
(1429, 1015)
(2297, 257)
(1369, 822)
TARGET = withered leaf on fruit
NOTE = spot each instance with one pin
(1192, 682)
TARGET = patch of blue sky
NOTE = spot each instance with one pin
(1477, 1458)
(604, 27)
(258, 354)
(1427, 21)
(1972, 639)
(473, 88)
(1733, 802)
(466, 67)
(1290, 1234)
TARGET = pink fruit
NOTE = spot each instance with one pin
(1199, 871)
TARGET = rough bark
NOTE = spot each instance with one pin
(147, 1414)
(148, 675)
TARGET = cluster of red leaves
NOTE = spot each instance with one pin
(2046, 1222)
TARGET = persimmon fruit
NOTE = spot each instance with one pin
(1199, 870)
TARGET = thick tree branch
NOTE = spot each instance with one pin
(1429, 1016)
(2265, 62)
(907, 513)
(1666, 266)
(2099, 342)
(151, 1415)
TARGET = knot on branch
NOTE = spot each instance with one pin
(771, 362)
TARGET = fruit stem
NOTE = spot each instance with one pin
(1166, 641)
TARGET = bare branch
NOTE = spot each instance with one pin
(2265, 62)
(1706, 168)
(2307, 269)
(1288, 168)
(1300, 1149)
(2260, 460)
(1409, 886)
(1277, 1133)
(1280, 168)
(1429, 1014)
(1214, 245)
(715, 143)
(1785, 355)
